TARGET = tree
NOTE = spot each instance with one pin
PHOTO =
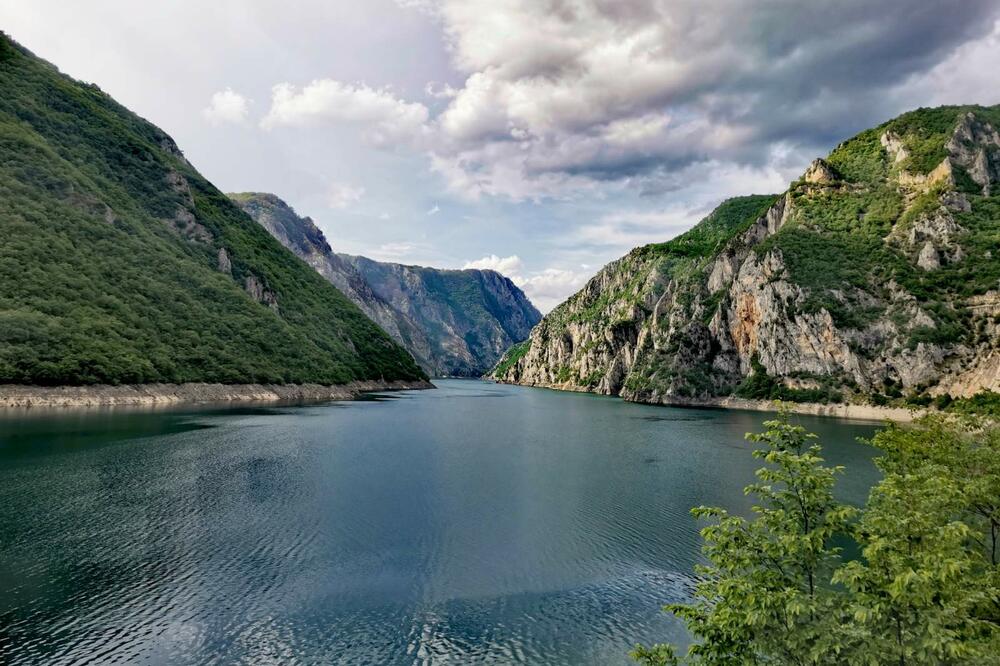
(924, 590)
(763, 598)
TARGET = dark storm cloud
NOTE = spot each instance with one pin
(626, 89)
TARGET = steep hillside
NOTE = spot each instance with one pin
(121, 264)
(455, 323)
(875, 277)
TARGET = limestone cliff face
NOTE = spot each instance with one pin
(875, 277)
(454, 323)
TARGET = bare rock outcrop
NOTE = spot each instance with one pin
(258, 291)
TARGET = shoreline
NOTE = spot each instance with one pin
(872, 413)
(836, 410)
(17, 396)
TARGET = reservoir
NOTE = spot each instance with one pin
(472, 524)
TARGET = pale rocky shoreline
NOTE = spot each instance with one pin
(838, 410)
(102, 395)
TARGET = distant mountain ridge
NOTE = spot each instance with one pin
(874, 278)
(454, 322)
(121, 264)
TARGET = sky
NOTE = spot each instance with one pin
(541, 138)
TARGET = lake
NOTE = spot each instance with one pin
(473, 524)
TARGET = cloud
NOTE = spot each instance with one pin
(509, 266)
(968, 76)
(624, 230)
(561, 93)
(434, 210)
(409, 252)
(384, 119)
(227, 106)
(552, 286)
(342, 195)
(546, 288)
(570, 99)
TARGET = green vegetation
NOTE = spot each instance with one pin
(923, 589)
(110, 270)
(831, 223)
(511, 358)
(728, 220)
(848, 248)
(924, 132)
(985, 402)
(861, 159)
(758, 385)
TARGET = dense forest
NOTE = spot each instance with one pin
(121, 264)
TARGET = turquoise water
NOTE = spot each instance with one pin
(474, 524)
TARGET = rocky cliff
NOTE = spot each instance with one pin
(455, 323)
(874, 278)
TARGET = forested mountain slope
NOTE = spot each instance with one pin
(119, 263)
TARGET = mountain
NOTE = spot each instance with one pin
(120, 263)
(455, 323)
(875, 277)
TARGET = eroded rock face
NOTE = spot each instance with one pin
(186, 224)
(928, 258)
(649, 331)
(894, 146)
(224, 262)
(975, 146)
(819, 172)
(259, 292)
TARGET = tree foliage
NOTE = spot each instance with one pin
(924, 588)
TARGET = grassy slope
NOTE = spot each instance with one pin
(95, 286)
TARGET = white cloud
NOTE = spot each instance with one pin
(227, 106)
(624, 230)
(383, 118)
(402, 252)
(509, 266)
(429, 7)
(552, 286)
(546, 288)
(436, 91)
(434, 210)
(396, 250)
(342, 195)
(968, 76)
